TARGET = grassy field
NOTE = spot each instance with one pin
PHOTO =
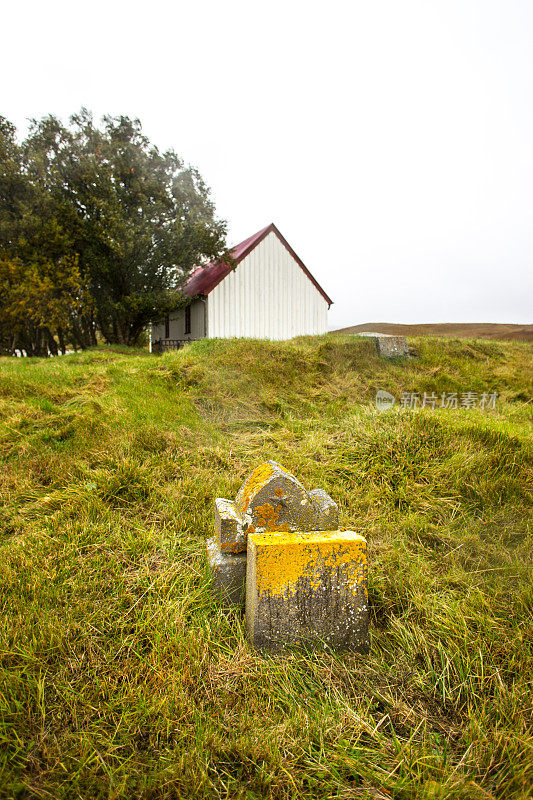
(118, 676)
(468, 330)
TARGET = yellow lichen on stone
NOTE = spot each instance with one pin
(285, 560)
(255, 481)
(267, 517)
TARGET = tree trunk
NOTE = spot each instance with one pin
(89, 335)
(61, 337)
(78, 335)
(135, 330)
(92, 329)
(50, 342)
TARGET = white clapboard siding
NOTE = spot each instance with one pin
(268, 296)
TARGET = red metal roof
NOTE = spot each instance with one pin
(204, 279)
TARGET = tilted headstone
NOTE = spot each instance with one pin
(280, 547)
(228, 527)
(272, 499)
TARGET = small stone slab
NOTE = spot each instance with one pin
(228, 574)
(389, 346)
(271, 499)
(228, 527)
(326, 517)
(307, 590)
(392, 346)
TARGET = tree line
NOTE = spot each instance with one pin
(98, 231)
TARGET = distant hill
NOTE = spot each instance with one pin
(468, 330)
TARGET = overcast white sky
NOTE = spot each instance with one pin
(390, 141)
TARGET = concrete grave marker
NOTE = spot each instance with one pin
(279, 545)
(228, 527)
(307, 589)
(271, 499)
(388, 345)
(228, 574)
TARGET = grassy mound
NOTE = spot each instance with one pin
(120, 679)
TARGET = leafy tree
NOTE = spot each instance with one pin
(42, 293)
(40, 301)
(98, 231)
(139, 219)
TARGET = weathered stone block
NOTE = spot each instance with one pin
(326, 517)
(228, 574)
(271, 499)
(307, 589)
(387, 345)
(392, 346)
(228, 527)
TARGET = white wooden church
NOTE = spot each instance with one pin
(270, 294)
